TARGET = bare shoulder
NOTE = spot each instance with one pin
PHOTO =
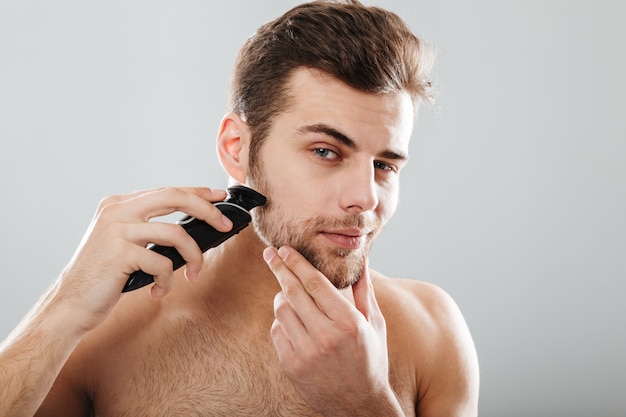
(425, 324)
(409, 300)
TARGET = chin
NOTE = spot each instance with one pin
(343, 268)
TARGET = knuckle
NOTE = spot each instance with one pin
(279, 299)
(299, 369)
(327, 344)
(107, 210)
(292, 291)
(185, 243)
(163, 264)
(108, 200)
(119, 247)
(105, 205)
(201, 191)
(179, 234)
(276, 329)
(168, 192)
(314, 283)
(350, 329)
(281, 307)
(214, 213)
(175, 193)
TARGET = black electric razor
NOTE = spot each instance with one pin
(236, 207)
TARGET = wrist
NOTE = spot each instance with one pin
(32, 356)
(53, 318)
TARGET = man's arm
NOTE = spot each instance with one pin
(90, 286)
(33, 355)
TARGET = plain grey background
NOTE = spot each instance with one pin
(513, 201)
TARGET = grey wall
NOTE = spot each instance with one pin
(513, 202)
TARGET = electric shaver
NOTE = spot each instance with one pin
(236, 207)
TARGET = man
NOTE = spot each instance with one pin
(285, 318)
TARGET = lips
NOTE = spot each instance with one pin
(347, 238)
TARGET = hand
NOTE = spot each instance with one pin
(115, 246)
(334, 353)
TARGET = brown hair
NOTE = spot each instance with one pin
(368, 48)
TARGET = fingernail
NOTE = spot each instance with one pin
(283, 252)
(269, 253)
(227, 222)
(157, 292)
(192, 276)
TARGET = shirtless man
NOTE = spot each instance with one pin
(285, 318)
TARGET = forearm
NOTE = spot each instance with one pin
(33, 355)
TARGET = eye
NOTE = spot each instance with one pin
(325, 153)
(385, 166)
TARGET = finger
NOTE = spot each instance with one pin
(365, 298)
(196, 202)
(294, 292)
(204, 192)
(319, 289)
(289, 321)
(119, 198)
(167, 234)
(154, 264)
(161, 286)
(282, 343)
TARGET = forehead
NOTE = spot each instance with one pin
(316, 97)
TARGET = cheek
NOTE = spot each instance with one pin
(387, 202)
(291, 196)
(300, 192)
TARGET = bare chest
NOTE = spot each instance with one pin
(193, 371)
(207, 369)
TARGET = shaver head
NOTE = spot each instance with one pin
(245, 197)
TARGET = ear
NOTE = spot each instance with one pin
(233, 144)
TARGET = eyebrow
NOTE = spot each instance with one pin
(346, 141)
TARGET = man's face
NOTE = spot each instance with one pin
(329, 168)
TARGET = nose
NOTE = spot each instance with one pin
(359, 191)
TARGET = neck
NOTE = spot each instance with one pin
(236, 283)
(235, 279)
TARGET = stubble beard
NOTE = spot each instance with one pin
(342, 267)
